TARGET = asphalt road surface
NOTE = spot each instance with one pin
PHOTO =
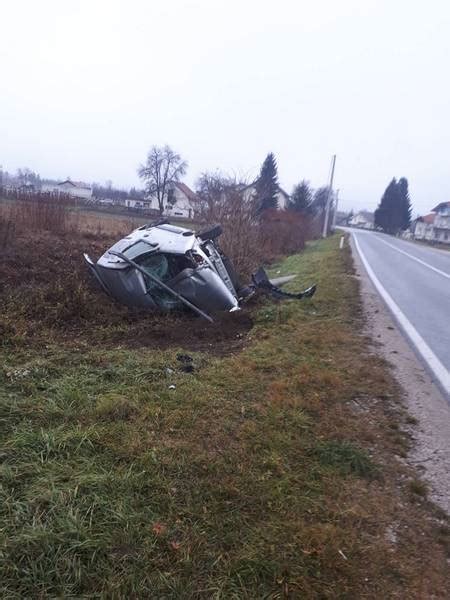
(414, 281)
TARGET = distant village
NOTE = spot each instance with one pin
(433, 227)
(182, 201)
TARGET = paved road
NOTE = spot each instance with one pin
(414, 281)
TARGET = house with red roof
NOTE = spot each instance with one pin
(442, 222)
(422, 227)
(434, 227)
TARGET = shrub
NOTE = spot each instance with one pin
(250, 239)
(283, 232)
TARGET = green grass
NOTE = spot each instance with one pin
(245, 481)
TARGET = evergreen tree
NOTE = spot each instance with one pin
(320, 200)
(383, 213)
(267, 184)
(301, 198)
(394, 211)
(405, 201)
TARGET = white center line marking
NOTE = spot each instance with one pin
(435, 365)
(422, 262)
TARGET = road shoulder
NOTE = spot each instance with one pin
(430, 411)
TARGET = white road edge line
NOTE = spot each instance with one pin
(422, 262)
(421, 346)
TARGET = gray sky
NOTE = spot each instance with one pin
(87, 86)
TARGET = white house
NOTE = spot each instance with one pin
(423, 227)
(179, 201)
(442, 222)
(434, 227)
(138, 204)
(363, 219)
(282, 197)
(76, 189)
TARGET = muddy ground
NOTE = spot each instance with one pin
(46, 290)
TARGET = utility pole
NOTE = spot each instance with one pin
(336, 202)
(330, 189)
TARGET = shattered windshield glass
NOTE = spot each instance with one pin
(164, 267)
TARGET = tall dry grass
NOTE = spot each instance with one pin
(36, 211)
(58, 214)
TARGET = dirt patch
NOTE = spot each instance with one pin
(227, 334)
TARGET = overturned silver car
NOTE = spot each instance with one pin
(162, 267)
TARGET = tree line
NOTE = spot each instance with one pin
(164, 167)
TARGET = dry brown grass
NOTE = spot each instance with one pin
(100, 225)
(57, 214)
(34, 212)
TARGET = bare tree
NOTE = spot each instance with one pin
(28, 177)
(213, 191)
(162, 168)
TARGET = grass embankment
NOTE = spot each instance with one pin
(268, 472)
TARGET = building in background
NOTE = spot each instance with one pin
(179, 201)
(422, 228)
(441, 223)
(249, 191)
(434, 227)
(363, 219)
(76, 189)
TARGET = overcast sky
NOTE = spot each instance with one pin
(87, 86)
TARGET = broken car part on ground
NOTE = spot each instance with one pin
(162, 266)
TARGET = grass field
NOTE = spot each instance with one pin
(272, 469)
